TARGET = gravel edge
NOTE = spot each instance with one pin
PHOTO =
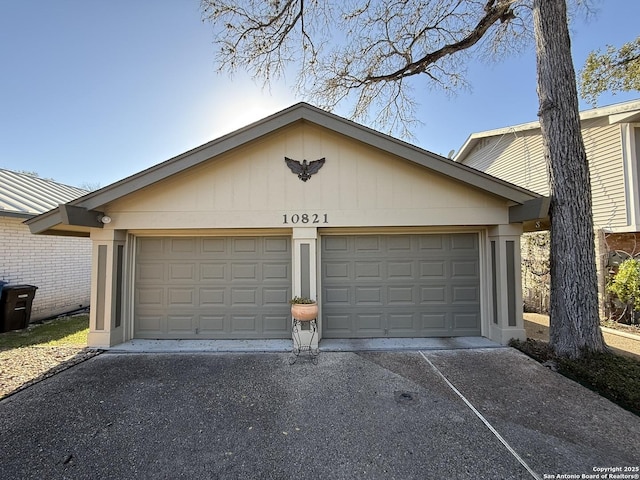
(23, 367)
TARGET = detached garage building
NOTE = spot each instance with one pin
(392, 240)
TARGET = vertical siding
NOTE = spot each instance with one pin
(518, 157)
(59, 266)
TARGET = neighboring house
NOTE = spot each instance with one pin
(612, 141)
(392, 240)
(60, 266)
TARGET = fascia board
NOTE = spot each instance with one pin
(9, 213)
(188, 159)
(44, 221)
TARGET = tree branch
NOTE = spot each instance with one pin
(494, 12)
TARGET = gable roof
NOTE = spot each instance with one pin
(24, 195)
(625, 112)
(302, 112)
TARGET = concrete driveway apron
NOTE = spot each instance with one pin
(380, 415)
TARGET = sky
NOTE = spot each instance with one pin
(92, 91)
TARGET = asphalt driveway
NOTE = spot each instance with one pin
(354, 415)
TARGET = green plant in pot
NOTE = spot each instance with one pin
(303, 309)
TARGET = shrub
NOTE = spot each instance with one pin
(626, 284)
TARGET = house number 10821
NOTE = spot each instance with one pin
(305, 218)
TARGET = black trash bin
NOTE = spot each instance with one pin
(15, 306)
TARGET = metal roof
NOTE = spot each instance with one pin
(25, 195)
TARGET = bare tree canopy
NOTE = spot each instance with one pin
(374, 52)
(616, 70)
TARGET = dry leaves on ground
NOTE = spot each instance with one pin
(21, 367)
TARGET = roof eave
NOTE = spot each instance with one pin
(66, 219)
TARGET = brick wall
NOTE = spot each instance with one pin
(59, 266)
(624, 242)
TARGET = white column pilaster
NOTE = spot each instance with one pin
(506, 321)
(103, 331)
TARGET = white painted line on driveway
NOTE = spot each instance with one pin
(484, 420)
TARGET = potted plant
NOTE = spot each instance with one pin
(303, 309)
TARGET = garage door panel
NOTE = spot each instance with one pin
(401, 295)
(335, 244)
(277, 324)
(214, 245)
(275, 272)
(368, 295)
(181, 297)
(465, 294)
(241, 272)
(182, 271)
(212, 324)
(400, 270)
(149, 247)
(434, 321)
(243, 323)
(276, 246)
(465, 321)
(402, 322)
(464, 242)
(434, 294)
(339, 296)
(153, 324)
(399, 243)
(180, 323)
(150, 272)
(213, 271)
(244, 297)
(367, 270)
(464, 269)
(244, 245)
(431, 270)
(370, 323)
(431, 242)
(415, 283)
(367, 244)
(181, 246)
(275, 296)
(151, 297)
(337, 270)
(212, 297)
(212, 287)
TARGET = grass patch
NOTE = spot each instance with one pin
(64, 331)
(613, 376)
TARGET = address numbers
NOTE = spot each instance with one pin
(304, 218)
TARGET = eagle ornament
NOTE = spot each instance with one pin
(304, 170)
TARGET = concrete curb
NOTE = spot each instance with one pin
(613, 331)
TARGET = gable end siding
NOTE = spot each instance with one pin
(518, 157)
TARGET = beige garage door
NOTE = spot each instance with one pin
(212, 287)
(400, 286)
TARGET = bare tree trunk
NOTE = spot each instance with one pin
(574, 289)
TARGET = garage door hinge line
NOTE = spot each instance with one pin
(484, 420)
